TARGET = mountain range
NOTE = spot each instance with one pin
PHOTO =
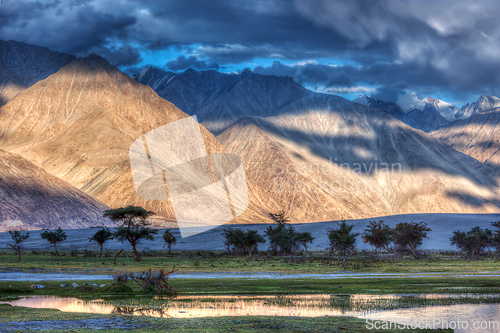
(320, 157)
(307, 128)
(429, 114)
(219, 99)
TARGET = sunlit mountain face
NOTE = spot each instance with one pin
(397, 98)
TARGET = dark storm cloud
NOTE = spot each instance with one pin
(392, 79)
(445, 44)
(123, 56)
(182, 63)
(67, 26)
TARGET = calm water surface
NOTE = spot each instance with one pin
(378, 308)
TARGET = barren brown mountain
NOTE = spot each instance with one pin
(79, 123)
(31, 198)
(325, 158)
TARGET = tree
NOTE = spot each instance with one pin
(343, 240)
(227, 233)
(304, 238)
(473, 242)
(250, 241)
(282, 238)
(54, 237)
(169, 239)
(242, 241)
(233, 237)
(279, 217)
(409, 236)
(378, 234)
(101, 236)
(133, 226)
(495, 238)
(18, 238)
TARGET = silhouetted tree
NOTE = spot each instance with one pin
(378, 234)
(279, 217)
(18, 237)
(169, 239)
(133, 226)
(54, 237)
(473, 242)
(343, 240)
(409, 236)
(101, 236)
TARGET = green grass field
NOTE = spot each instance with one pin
(206, 261)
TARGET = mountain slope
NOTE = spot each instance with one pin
(22, 65)
(324, 158)
(479, 135)
(79, 123)
(32, 198)
(219, 99)
(426, 114)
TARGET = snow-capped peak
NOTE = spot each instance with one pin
(447, 110)
(410, 102)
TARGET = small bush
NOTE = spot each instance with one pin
(156, 282)
(89, 254)
(120, 284)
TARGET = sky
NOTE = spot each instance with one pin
(447, 49)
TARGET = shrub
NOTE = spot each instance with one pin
(156, 282)
(120, 284)
(279, 217)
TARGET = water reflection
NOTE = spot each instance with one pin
(402, 308)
